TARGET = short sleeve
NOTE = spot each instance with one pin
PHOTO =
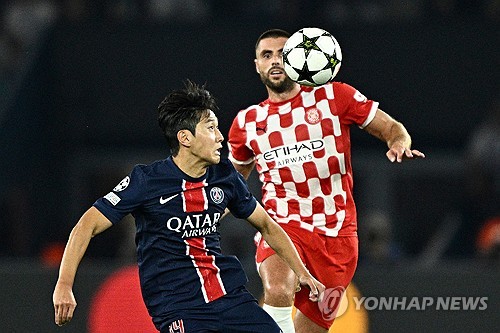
(124, 198)
(243, 203)
(353, 107)
(239, 153)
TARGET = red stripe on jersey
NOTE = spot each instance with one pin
(334, 165)
(319, 153)
(293, 207)
(255, 147)
(302, 133)
(326, 186)
(194, 197)
(286, 175)
(327, 127)
(310, 170)
(250, 117)
(208, 272)
(271, 205)
(303, 189)
(318, 205)
(320, 94)
(339, 202)
(275, 139)
(286, 120)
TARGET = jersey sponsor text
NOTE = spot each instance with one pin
(194, 225)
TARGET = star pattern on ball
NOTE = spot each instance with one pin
(332, 61)
(308, 44)
(305, 74)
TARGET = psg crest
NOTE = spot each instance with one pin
(217, 195)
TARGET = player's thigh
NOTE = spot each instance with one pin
(248, 317)
(277, 278)
(303, 324)
(334, 264)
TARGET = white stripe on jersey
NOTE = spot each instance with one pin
(370, 117)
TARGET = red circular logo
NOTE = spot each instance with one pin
(313, 116)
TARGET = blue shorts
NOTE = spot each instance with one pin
(234, 313)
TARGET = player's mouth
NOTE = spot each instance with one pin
(276, 72)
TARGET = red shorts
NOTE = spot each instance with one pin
(331, 260)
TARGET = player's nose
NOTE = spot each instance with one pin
(219, 136)
(277, 60)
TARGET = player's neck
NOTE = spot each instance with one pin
(192, 167)
(276, 97)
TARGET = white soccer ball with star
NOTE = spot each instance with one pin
(312, 57)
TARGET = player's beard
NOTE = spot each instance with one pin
(278, 87)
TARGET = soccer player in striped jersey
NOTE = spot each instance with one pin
(187, 283)
(298, 139)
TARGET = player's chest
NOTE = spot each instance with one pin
(187, 212)
(289, 126)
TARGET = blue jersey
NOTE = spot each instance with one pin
(178, 245)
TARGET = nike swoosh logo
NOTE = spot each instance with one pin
(164, 201)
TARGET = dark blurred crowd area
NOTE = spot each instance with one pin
(23, 23)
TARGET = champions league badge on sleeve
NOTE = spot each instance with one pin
(122, 185)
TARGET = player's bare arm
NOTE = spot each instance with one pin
(281, 243)
(395, 135)
(90, 224)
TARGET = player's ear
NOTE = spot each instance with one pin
(184, 137)
(256, 67)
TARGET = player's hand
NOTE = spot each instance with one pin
(397, 153)
(64, 304)
(316, 288)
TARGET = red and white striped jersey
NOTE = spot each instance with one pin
(302, 152)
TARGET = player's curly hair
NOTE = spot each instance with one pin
(182, 110)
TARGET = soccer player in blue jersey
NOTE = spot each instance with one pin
(187, 284)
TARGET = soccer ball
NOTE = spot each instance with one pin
(311, 57)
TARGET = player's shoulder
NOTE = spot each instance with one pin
(151, 169)
(224, 170)
(339, 89)
(224, 167)
(250, 114)
(335, 86)
(339, 85)
(255, 107)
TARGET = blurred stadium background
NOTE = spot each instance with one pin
(80, 82)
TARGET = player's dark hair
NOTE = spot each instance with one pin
(182, 110)
(272, 33)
